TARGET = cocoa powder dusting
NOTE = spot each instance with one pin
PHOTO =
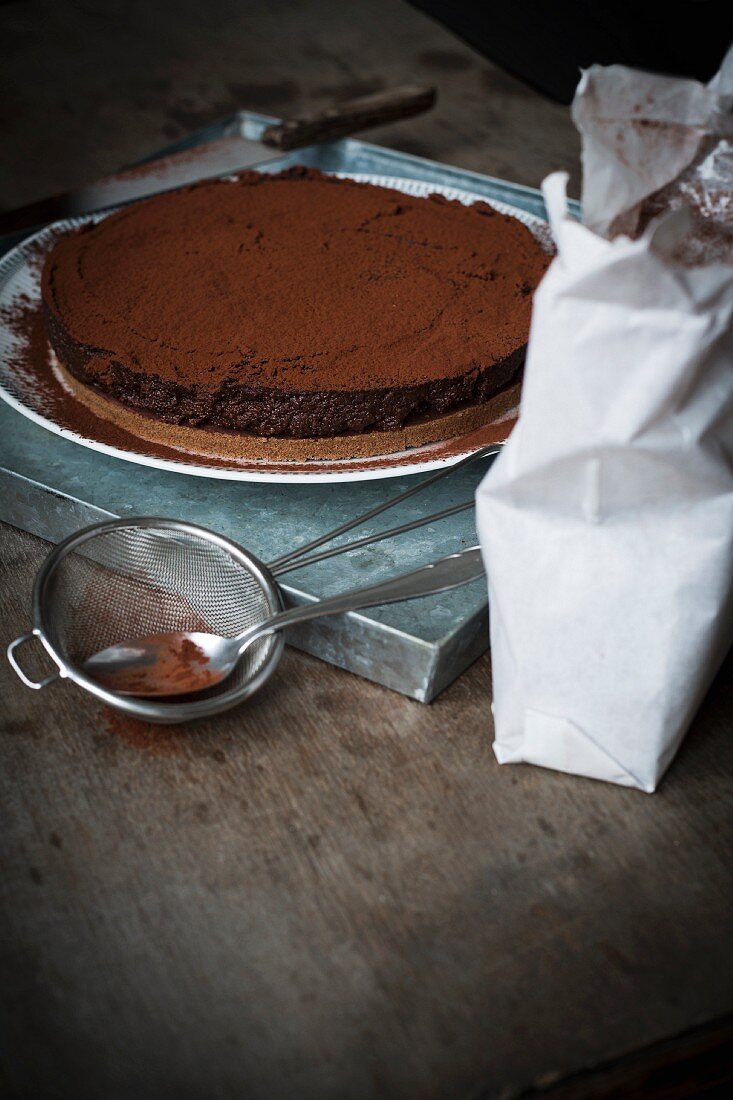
(34, 378)
(152, 739)
(93, 415)
(176, 663)
(162, 167)
(295, 305)
(35, 384)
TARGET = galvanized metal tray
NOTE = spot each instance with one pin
(49, 486)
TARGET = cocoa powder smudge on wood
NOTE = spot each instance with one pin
(152, 739)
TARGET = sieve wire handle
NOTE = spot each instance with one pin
(15, 644)
(449, 572)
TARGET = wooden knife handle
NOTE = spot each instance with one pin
(348, 118)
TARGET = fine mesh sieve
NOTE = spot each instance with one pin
(128, 578)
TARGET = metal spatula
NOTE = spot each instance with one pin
(228, 154)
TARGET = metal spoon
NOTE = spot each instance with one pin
(182, 662)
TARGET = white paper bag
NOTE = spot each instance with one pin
(607, 521)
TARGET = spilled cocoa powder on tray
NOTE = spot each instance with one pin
(161, 167)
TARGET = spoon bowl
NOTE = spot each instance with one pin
(174, 663)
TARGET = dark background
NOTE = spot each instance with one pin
(87, 86)
(546, 43)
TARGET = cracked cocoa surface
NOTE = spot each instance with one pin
(294, 305)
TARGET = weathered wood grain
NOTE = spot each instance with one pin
(333, 891)
(90, 87)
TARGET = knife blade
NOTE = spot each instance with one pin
(222, 156)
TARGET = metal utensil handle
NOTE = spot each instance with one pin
(292, 555)
(367, 540)
(440, 576)
(15, 644)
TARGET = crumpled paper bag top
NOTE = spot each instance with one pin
(653, 144)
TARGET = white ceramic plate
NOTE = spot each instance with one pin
(19, 276)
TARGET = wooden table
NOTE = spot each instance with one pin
(333, 891)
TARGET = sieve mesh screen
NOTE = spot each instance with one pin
(126, 583)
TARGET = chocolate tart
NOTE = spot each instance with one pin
(296, 306)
